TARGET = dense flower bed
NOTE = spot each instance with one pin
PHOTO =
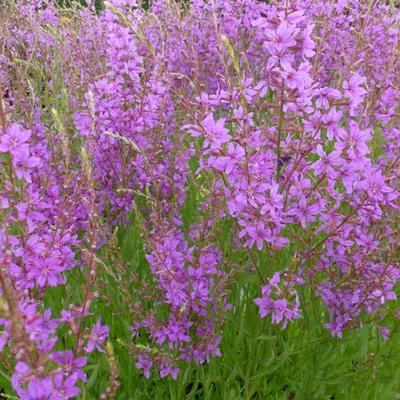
(281, 118)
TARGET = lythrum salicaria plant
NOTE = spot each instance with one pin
(278, 121)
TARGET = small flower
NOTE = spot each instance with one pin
(97, 337)
(354, 90)
(70, 364)
(65, 387)
(375, 185)
(295, 78)
(385, 334)
(39, 389)
(14, 142)
(145, 364)
(236, 154)
(257, 234)
(273, 301)
(167, 369)
(332, 123)
(280, 39)
(325, 96)
(356, 140)
(215, 132)
(176, 293)
(327, 162)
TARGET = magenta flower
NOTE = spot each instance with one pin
(14, 141)
(285, 112)
(353, 89)
(215, 132)
(307, 44)
(375, 185)
(258, 234)
(273, 303)
(332, 123)
(175, 293)
(236, 154)
(144, 363)
(327, 162)
(97, 337)
(65, 387)
(295, 78)
(314, 123)
(70, 364)
(305, 212)
(325, 96)
(39, 389)
(356, 140)
(280, 39)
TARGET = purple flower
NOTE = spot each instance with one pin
(144, 363)
(215, 132)
(70, 364)
(235, 155)
(65, 387)
(325, 96)
(305, 212)
(375, 185)
(332, 123)
(356, 140)
(39, 389)
(280, 39)
(14, 142)
(97, 337)
(327, 162)
(167, 369)
(385, 333)
(353, 89)
(295, 78)
(272, 302)
(175, 293)
(258, 233)
(24, 166)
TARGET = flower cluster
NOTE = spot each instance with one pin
(279, 120)
(274, 302)
(40, 218)
(189, 282)
(293, 150)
